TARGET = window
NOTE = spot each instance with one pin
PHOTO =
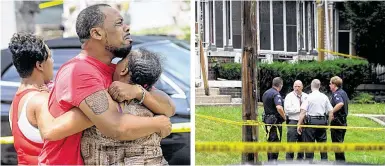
(264, 25)
(343, 35)
(291, 26)
(307, 29)
(202, 22)
(278, 25)
(219, 23)
(236, 25)
(211, 22)
(228, 23)
(60, 56)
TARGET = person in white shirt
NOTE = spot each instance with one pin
(292, 106)
(316, 108)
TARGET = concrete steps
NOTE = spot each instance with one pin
(212, 99)
(201, 91)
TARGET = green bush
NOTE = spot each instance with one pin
(352, 71)
(230, 71)
(364, 98)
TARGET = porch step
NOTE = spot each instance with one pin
(201, 91)
(213, 99)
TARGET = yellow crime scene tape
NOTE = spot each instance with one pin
(176, 128)
(50, 4)
(341, 54)
(253, 147)
(257, 123)
(181, 128)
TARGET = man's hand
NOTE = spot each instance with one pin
(165, 125)
(120, 91)
(331, 117)
(299, 130)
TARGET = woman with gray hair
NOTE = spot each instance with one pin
(144, 69)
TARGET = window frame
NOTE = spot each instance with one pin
(284, 29)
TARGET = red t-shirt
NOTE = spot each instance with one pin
(78, 78)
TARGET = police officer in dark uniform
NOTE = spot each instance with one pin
(315, 111)
(340, 102)
(274, 114)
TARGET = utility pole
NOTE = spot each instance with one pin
(202, 58)
(249, 76)
(321, 30)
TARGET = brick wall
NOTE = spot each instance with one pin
(234, 92)
(220, 59)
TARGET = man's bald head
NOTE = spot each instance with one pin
(315, 84)
(298, 86)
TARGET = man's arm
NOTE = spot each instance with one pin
(163, 100)
(281, 111)
(53, 129)
(329, 109)
(102, 111)
(301, 118)
(340, 103)
(155, 100)
(289, 105)
(10, 116)
(278, 104)
(337, 107)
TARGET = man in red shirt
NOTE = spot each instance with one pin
(83, 82)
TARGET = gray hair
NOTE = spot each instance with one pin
(145, 67)
(277, 82)
(316, 84)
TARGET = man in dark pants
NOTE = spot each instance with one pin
(340, 111)
(274, 114)
(315, 108)
(292, 107)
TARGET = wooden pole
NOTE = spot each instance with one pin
(202, 58)
(249, 76)
(203, 67)
(321, 30)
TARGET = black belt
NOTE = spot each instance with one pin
(317, 117)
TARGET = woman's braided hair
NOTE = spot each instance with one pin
(145, 68)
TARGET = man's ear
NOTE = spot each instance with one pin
(97, 33)
(39, 66)
(124, 72)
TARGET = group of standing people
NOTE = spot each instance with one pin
(97, 113)
(299, 108)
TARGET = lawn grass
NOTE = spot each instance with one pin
(378, 108)
(207, 130)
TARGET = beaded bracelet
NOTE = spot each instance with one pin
(143, 94)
